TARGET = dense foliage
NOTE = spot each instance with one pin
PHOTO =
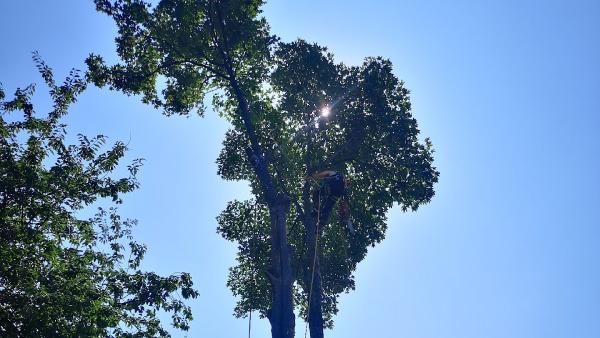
(369, 135)
(274, 93)
(63, 274)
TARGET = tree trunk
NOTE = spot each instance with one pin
(314, 222)
(281, 314)
(312, 279)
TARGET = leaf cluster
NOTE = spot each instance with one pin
(186, 47)
(63, 274)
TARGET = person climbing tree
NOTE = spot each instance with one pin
(331, 187)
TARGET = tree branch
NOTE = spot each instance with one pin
(256, 156)
(346, 153)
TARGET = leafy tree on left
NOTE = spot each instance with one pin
(62, 274)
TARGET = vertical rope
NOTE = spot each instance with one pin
(249, 323)
(312, 277)
(251, 296)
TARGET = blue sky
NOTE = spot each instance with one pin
(509, 93)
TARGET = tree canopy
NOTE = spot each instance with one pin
(63, 274)
(274, 93)
(369, 134)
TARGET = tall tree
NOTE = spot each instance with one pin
(296, 115)
(63, 274)
(327, 116)
(198, 46)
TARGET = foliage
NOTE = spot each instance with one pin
(62, 274)
(371, 137)
(177, 39)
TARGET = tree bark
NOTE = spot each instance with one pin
(312, 279)
(281, 314)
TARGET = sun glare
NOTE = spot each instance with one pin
(325, 111)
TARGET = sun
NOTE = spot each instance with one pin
(325, 111)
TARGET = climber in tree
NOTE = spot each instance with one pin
(333, 186)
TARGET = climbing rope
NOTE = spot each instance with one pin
(249, 323)
(253, 277)
(312, 277)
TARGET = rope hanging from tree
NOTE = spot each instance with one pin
(312, 277)
(250, 247)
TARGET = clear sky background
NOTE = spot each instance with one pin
(509, 93)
